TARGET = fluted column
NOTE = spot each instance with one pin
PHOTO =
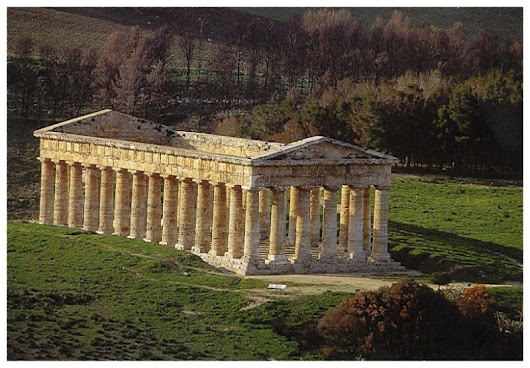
(293, 205)
(302, 249)
(75, 195)
(219, 230)
(106, 200)
(380, 241)
(314, 215)
(46, 192)
(186, 212)
(252, 220)
(170, 210)
(122, 203)
(329, 224)
(235, 224)
(91, 208)
(60, 208)
(264, 213)
(203, 219)
(344, 220)
(154, 229)
(277, 228)
(138, 205)
(355, 230)
(367, 231)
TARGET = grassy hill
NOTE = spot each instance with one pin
(507, 22)
(77, 295)
(89, 27)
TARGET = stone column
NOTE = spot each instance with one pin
(355, 228)
(264, 213)
(122, 203)
(329, 224)
(170, 210)
(186, 212)
(314, 215)
(203, 220)
(75, 198)
(138, 205)
(302, 249)
(153, 231)
(344, 220)
(46, 192)
(60, 208)
(366, 220)
(293, 205)
(91, 215)
(252, 220)
(219, 233)
(106, 200)
(235, 224)
(380, 242)
(277, 230)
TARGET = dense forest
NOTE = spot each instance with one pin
(437, 98)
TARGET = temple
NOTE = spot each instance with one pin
(248, 206)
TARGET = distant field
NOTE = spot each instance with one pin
(67, 29)
(507, 22)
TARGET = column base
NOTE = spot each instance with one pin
(214, 253)
(277, 259)
(380, 257)
(198, 250)
(182, 247)
(171, 244)
(232, 255)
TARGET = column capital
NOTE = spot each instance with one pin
(382, 187)
(331, 188)
(59, 162)
(200, 181)
(303, 187)
(152, 173)
(251, 189)
(134, 171)
(44, 159)
(186, 180)
(73, 163)
(119, 169)
(169, 177)
(233, 186)
(104, 167)
(218, 183)
(90, 166)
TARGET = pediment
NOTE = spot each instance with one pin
(322, 148)
(114, 125)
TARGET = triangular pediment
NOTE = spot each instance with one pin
(322, 148)
(114, 125)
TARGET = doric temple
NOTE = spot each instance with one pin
(249, 206)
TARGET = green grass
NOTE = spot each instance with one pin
(471, 228)
(77, 295)
(508, 299)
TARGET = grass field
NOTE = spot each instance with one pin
(75, 295)
(471, 228)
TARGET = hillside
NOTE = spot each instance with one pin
(507, 22)
(89, 27)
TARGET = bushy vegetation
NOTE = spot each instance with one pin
(457, 97)
(409, 321)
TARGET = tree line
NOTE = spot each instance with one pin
(430, 96)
